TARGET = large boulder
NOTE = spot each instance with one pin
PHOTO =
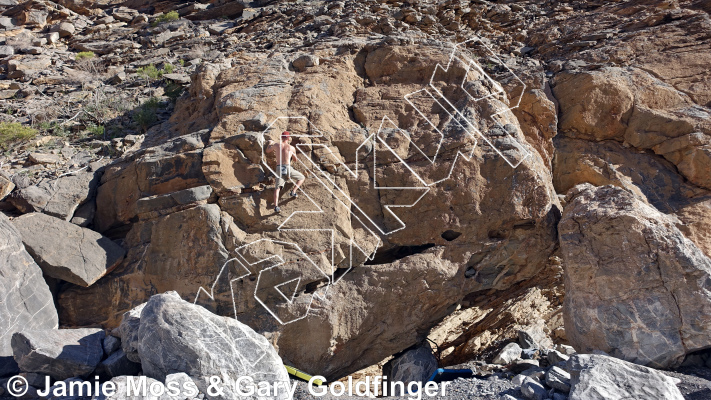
(27, 302)
(61, 354)
(599, 377)
(636, 287)
(66, 251)
(177, 336)
(468, 222)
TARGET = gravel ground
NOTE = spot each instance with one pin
(490, 388)
(695, 385)
(695, 382)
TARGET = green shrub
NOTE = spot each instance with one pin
(11, 132)
(84, 55)
(96, 130)
(181, 62)
(145, 115)
(168, 17)
(151, 72)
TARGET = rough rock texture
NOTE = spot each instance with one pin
(128, 332)
(636, 287)
(59, 198)
(26, 300)
(414, 365)
(61, 354)
(510, 242)
(605, 93)
(599, 377)
(177, 336)
(66, 251)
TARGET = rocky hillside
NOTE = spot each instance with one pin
(476, 172)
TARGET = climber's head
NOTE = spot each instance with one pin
(285, 136)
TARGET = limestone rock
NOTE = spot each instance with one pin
(511, 352)
(558, 378)
(533, 390)
(128, 331)
(598, 377)
(177, 336)
(66, 251)
(636, 287)
(414, 365)
(27, 302)
(61, 354)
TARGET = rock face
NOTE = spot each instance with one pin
(27, 302)
(415, 365)
(598, 377)
(636, 287)
(66, 251)
(61, 354)
(176, 336)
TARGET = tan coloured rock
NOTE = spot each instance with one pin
(636, 287)
(6, 187)
(631, 106)
(163, 169)
(181, 251)
(493, 225)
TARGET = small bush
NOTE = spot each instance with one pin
(151, 72)
(84, 55)
(96, 130)
(11, 132)
(145, 116)
(168, 17)
(181, 62)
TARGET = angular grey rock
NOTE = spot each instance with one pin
(526, 341)
(128, 331)
(509, 353)
(111, 344)
(177, 336)
(636, 287)
(61, 354)
(533, 390)
(118, 364)
(59, 198)
(66, 251)
(554, 357)
(597, 377)
(26, 300)
(559, 379)
(519, 366)
(30, 199)
(414, 365)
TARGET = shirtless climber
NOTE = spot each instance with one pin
(284, 153)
